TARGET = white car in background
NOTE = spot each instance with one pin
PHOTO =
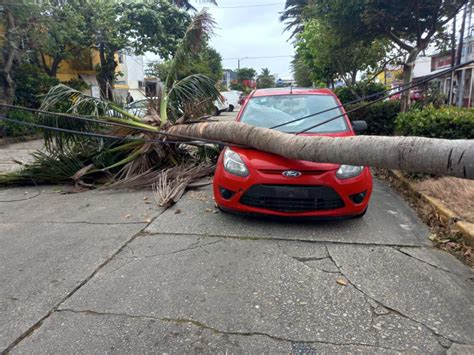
(233, 98)
(220, 105)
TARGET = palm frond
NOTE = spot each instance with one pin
(199, 30)
(192, 90)
(47, 168)
(68, 100)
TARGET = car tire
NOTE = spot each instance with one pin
(216, 111)
(231, 108)
(361, 214)
(222, 210)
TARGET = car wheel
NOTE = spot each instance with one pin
(231, 108)
(216, 111)
(362, 214)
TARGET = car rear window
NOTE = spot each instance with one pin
(269, 111)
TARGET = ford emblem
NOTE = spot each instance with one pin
(291, 173)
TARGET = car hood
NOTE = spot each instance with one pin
(272, 162)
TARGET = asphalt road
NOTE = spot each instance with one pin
(105, 271)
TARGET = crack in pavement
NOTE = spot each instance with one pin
(194, 245)
(40, 322)
(284, 239)
(426, 262)
(218, 331)
(436, 334)
(134, 258)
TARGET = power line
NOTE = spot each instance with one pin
(264, 57)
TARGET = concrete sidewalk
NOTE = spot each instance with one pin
(87, 273)
(20, 152)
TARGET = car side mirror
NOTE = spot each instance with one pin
(359, 126)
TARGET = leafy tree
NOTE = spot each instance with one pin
(208, 62)
(246, 74)
(411, 25)
(60, 35)
(112, 26)
(17, 22)
(301, 72)
(186, 4)
(330, 56)
(265, 79)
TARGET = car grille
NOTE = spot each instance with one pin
(292, 198)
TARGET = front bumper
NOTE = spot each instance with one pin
(315, 194)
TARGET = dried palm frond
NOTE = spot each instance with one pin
(172, 183)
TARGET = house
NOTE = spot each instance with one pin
(391, 76)
(130, 72)
(228, 77)
(449, 84)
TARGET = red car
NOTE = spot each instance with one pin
(256, 182)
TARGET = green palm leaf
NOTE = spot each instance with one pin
(193, 89)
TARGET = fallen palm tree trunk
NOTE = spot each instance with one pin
(413, 154)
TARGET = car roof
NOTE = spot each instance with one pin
(291, 91)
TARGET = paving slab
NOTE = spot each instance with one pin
(50, 204)
(40, 266)
(421, 292)
(252, 287)
(20, 152)
(389, 221)
(51, 243)
(88, 333)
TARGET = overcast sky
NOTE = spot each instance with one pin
(246, 29)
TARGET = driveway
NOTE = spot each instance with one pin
(89, 273)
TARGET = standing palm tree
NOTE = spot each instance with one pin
(293, 16)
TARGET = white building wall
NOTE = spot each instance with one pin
(133, 73)
(422, 67)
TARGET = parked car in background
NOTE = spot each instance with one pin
(220, 105)
(415, 95)
(256, 182)
(233, 98)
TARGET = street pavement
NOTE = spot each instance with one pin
(13, 154)
(110, 272)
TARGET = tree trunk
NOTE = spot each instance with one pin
(7, 89)
(407, 78)
(414, 154)
(106, 71)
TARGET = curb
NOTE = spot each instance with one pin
(446, 216)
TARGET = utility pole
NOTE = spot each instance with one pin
(461, 58)
(453, 60)
(239, 60)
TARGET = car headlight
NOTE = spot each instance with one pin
(234, 164)
(349, 171)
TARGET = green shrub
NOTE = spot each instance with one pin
(10, 129)
(362, 89)
(380, 116)
(77, 84)
(446, 122)
(31, 83)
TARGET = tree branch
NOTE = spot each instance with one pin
(398, 41)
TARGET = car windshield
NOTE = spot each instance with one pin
(269, 111)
